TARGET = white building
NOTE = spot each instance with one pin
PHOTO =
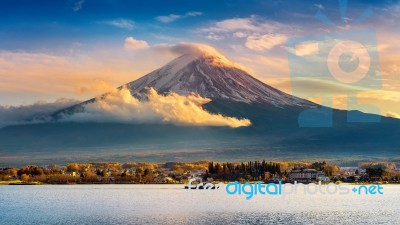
(306, 176)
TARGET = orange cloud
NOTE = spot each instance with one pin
(96, 86)
(134, 44)
(393, 114)
(119, 105)
(265, 42)
(50, 76)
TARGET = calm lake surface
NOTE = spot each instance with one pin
(171, 204)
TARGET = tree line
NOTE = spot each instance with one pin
(244, 171)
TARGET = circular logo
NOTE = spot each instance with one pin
(348, 61)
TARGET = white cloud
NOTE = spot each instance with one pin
(183, 48)
(168, 19)
(231, 25)
(78, 5)
(250, 24)
(134, 44)
(172, 17)
(214, 37)
(239, 34)
(121, 106)
(194, 14)
(265, 42)
(319, 6)
(121, 23)
(259, 34)
(35, 113)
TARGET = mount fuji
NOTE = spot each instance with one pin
(210, 75)
(274, 131)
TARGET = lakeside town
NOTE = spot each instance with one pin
(181, 172)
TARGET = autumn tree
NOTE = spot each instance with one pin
(89, 177)
(31, 170)
(73, 167)
(24, 177)
(53, 169)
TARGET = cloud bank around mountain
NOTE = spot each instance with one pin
(177, 49)
(34, 113)
(182, 48)
(120, 106)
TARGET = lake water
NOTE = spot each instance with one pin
(171, 204)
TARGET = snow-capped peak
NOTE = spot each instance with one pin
(201, 51)
(210, 74)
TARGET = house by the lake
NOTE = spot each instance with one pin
(307, 176)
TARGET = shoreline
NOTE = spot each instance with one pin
(207, 171)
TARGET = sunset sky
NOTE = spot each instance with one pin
(77, 49)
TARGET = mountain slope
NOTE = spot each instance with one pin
(213, 77)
